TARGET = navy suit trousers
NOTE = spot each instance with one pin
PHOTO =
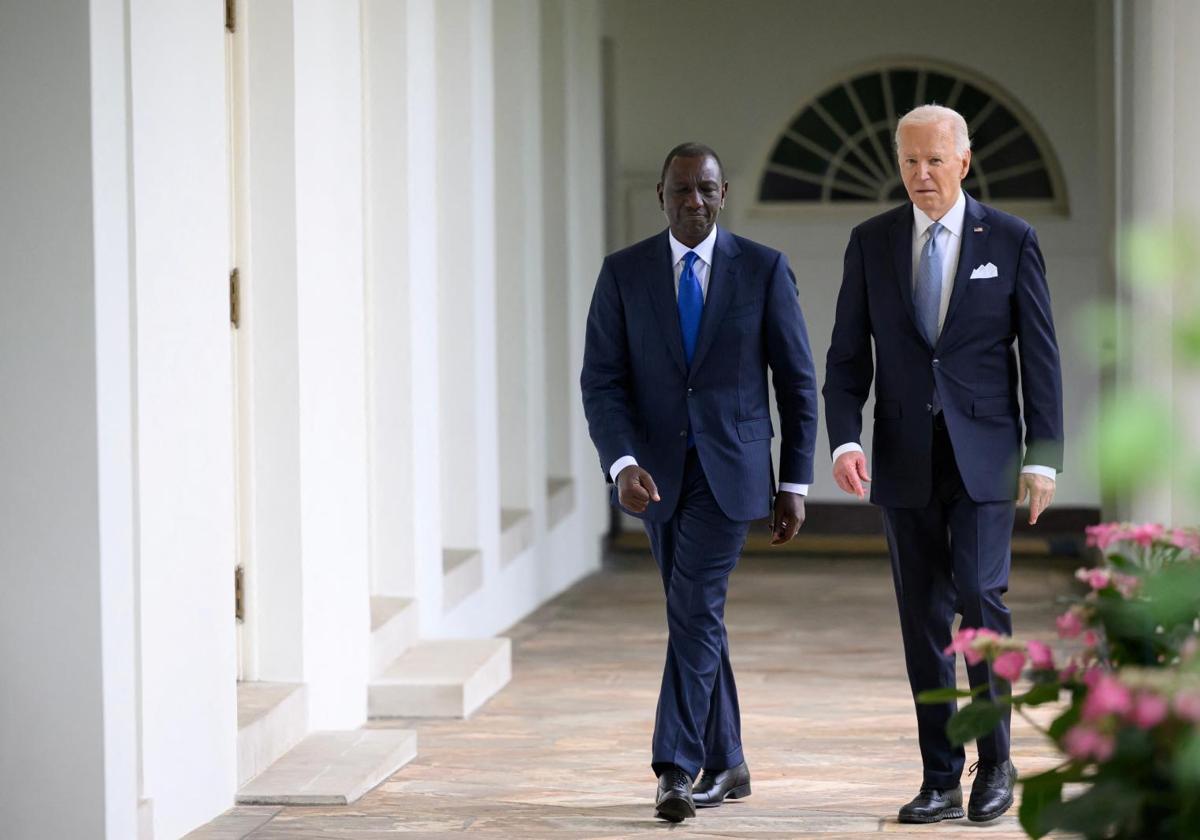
(698, 724)
(951, 556)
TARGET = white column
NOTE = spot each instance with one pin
(331, 333)
(269, 345)
(466, 279)
(585, 233)
(68, 603)
(561, 381)
(519, 259)
(401, 264)
(185, 416)
(1158, 184)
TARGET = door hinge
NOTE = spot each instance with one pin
(239, 594)
(230, 15)
(235, 298)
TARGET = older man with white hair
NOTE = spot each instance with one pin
(945, 287)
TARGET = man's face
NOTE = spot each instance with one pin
(691, 196)
(931, 167)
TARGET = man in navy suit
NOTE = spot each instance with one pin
(944, 285)
(682, 329)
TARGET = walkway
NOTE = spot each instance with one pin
(563, 751)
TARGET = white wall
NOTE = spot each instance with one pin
(770, 57)
(185, 411)
(68, 602)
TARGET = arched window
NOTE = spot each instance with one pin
(839, 148)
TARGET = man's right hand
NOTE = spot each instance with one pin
(850, 473)
(635, 489)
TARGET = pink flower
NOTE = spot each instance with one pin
(1145, 535)
(1090, 638)
(961, 642)
(1149, 710)
(972, 643)
(1083, 743)
(1095, 578)
(1040, 655)
(1187, 539)
(1069, 624)
(1009, 665)
(1187, 706)
(1106, 696)
(1126, 584)
(1103, 535)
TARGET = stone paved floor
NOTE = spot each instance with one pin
(563, 751)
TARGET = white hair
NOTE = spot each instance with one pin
(932, 114)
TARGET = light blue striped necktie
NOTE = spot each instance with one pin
(927, 296)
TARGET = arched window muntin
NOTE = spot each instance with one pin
(863, 170)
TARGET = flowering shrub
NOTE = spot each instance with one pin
(1129, 725)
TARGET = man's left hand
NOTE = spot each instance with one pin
(788, 517)
(1040, 491)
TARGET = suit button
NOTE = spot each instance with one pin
(929, 406)
(690, 390)
(683, 433)
(937, 362)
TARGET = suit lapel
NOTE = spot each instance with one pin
(902, 250)
(973, 252)
(721, 281)
(662, 298)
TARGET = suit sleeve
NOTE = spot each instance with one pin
(792, 374)
(849, 366)
(1041, 372)
(604, 381)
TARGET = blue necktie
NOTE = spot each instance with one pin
(927, 297)
(691, 306)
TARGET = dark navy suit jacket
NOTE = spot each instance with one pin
(973, 363)
(639, 394)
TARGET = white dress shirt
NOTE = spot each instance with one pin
(701, 268)
(950, 238)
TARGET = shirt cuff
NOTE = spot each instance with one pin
(844, 448)
(798, 489)
(620, 464)
(1048, 472)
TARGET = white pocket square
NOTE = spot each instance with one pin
(984, 271)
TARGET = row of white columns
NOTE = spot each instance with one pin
(401, 193)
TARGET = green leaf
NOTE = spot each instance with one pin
(1039, 693)
(1132, 440)
(945, 695)
(976, 719)
(1036, 793)
(1060, 725)
(1096, 811)
(1187, 762)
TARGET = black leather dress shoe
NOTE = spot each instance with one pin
(932, 805)
(674, 800)
(715, 786)
(992, 791)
